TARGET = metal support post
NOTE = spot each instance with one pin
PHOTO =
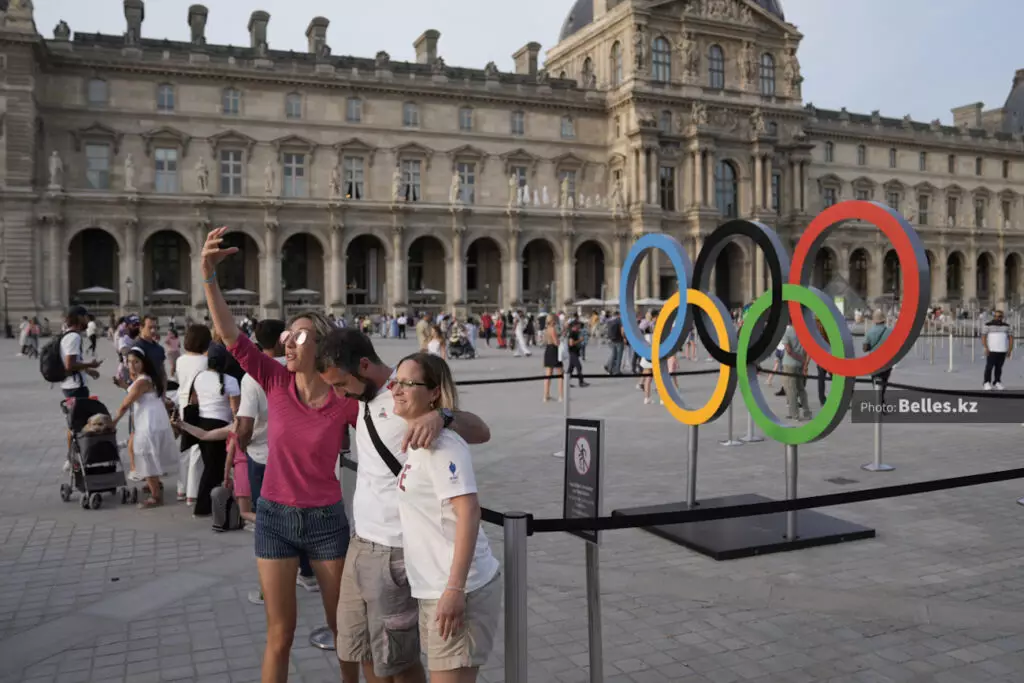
(565, 406)
(974, 343)
(751, 436)
(594, 630)
(691, 467)
(931, 343)
(791, 477)
(515, 597)
(877, 465)
(950, 368)
(730, 441)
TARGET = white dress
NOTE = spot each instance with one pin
(156, 451)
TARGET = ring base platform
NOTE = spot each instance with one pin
(731, 539)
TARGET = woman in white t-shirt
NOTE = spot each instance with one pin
(217, 395)
(189, 365)
(437, 346)
(451, 570)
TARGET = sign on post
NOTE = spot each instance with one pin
(581, 497)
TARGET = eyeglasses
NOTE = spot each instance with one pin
(288, 335)
(407, 383)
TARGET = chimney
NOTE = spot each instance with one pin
(526, 59)
(197, 23)
(426, 46)
(134, 13)
(258, 29)
(1018, 77)
(316, 34)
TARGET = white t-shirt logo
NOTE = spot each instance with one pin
(455, 475)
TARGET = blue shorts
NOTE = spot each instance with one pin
(283, 531)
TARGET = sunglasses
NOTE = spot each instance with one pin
(406, 383)
(299, 337)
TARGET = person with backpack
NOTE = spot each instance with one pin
(61, 360)
(613, 332)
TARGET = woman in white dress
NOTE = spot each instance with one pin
(437, 346)
(152, 449)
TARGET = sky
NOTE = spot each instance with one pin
(917, 57)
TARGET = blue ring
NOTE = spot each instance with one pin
(627, 301)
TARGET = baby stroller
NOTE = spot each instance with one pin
(459, 347)
(93, 457)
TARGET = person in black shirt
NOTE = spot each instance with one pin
(575, 340)
(149, 341)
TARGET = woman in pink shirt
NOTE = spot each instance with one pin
(300, 507)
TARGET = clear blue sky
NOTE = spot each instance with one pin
(918, 57)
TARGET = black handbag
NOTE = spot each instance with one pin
(190, 416)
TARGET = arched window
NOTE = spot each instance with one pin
(767, 74)
(293, 106)
(725, 190)
(588, 66)
(716, 67)
(616, 65)
(662, 60)
(665, 122)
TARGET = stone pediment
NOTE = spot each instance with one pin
(727, 11)
(953, 188)
(468, 152)
(982, 192)
(925, 186)
(863, 183)
(519, 157)
(568, 159)
(894, 185)
(97, 131)
(294, 142)
(232, 138)
(830, 179)
(413, 149)
(166, 134)
(355, 145)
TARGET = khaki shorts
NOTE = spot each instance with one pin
(377, 615)
(472, 644)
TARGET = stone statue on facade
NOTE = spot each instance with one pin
(587, 75)
(269, 179)
(910, 213)
(615, 199)
(639, 51)
(791, 72)
(536, 198)
(335, 182)
(19, 6)
(563, 194)
(129, 173)
(699, 114)
(453, 191)
(515, 193)
(544, 196)
(689, 55)
(581, 201)
(62, 31)
(382, 60)
(56, 171)
(438, 66)
(543, 77)
(491, 71)
(757, 124)
(396, 184)
(202, 176)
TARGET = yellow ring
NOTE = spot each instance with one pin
(707, 411)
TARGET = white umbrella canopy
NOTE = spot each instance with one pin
(428, 292)
(239, 292)
(96, 290)
(611, 302)
(168, 292)
(589, 302)
(650, 302)
(304, 292)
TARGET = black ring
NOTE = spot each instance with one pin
(778, 265)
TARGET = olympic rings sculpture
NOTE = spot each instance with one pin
(738, 353)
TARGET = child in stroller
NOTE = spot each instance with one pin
(94, 464)
(459, 345)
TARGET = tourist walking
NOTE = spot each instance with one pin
(217, 395)
(576, 341)
(872, 340)
(194, 361)
(794, 364)
(614, 334)
(552, 363)
(997, 342)
(72, 351)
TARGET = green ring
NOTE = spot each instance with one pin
(826, 419)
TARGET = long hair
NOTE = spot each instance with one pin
(436, 375)
(218, 362)
(148, 369)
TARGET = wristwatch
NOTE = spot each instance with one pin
(447, 417)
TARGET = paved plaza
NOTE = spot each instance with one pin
(118, 594)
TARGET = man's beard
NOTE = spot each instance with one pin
(370, 390)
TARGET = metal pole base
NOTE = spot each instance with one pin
(1020, 501)
(752, 439)
(730, 442)
(558, 454)
(322, 638)
(877, 467)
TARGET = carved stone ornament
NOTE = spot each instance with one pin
(757, 124)
(56, 171)
(129, 173)
(382, 60)
(908, 122)
(335, 186)
(202, 176)
(699, 114)
(746, 62)
(453, 191)
(640, 48)
(689, 55)
(543, 77)
(438, 66)
(722, 10)
(876, 118)
(491, 71)
(791, 73)
(62, 31)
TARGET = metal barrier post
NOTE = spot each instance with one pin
(730, 441)
(751, 437)
(791, 477)
(931, 340)
(950, 369)
(515, 597)
(974, 343)
(565, 408)
(691, 467)
(877, 465)
(594, 630)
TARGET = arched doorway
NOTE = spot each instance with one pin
(1011, 280)
(94, 269)
(426, 279)
(302, 273)
(239, 275)
(483, 275)
(589, 275)
(167, 267)
(726, 193)
(366, 269)
(983, 279)
(728, 276)
(824, 268)
(932, 274)
(859, 265)
(538, 276)
(955, 276)
(891, 283)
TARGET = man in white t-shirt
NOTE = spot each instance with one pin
(997, 341)
(71, 350)
(377, 619)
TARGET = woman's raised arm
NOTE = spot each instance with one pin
(220, 314)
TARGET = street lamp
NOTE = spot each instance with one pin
(8, 332)
(128, 283)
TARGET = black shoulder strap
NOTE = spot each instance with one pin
(389, 459)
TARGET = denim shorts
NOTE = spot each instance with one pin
(282, 531)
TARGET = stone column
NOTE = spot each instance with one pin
(758, 194)
(709, 178)
(514, 271)
(794, 187)
(1000, 283)
(802, 180)
(971, 276)
(55, 264)
(759, 272)
(336, 288)
(129, 260)
(939, 292)
(698, 178)
(643, 282)
(399, 267)
(655, 274)
(642, 175)
(655, 169)
(876, 273)
(457, 297)
(270, 298)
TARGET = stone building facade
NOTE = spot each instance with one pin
(367, 184)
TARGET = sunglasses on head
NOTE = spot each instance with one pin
(299, 337)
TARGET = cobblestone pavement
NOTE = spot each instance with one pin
(117, 594)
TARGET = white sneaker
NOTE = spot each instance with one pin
(988, 386)
(647, 401)
(309, 583)
(639, 387)
(999, 386)
(255, 597)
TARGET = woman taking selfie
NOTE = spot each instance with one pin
(451, 570)
(300, 508)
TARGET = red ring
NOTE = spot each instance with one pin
(893, 228)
